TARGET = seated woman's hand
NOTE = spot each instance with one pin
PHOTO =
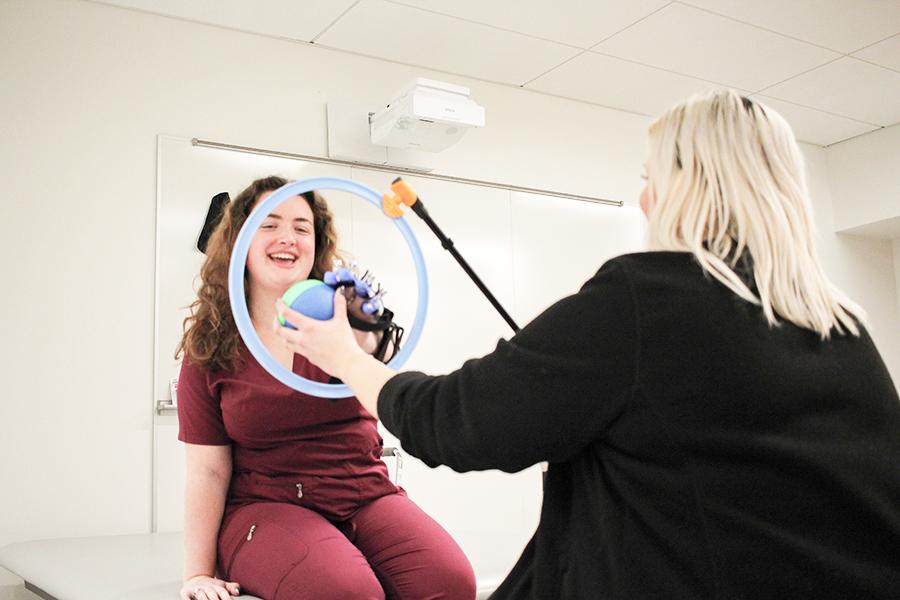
(364, 305)
(354, 305)
(362, 290)
(204, 587)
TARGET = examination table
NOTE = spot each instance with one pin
(136, 567)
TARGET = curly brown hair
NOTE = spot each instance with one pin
(211, 338)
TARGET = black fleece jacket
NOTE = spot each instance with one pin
(695, 452)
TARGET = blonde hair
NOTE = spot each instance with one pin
(728, 178)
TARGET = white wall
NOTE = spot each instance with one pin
(86, 90)
(863, 267)
(864, 175)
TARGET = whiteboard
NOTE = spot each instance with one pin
(529, 250)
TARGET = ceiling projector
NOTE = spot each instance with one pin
(427, 115)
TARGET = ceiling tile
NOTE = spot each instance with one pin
(847, 87)
(841, 25)
(814, 126)
(574, 22)
(281, 18)
(618, 84)
(886, 53)
(694, 42)
(418, 37)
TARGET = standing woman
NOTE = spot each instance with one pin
(717, 420)
(286, 494)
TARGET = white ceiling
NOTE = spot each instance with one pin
(830, 67)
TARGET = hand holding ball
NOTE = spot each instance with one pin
(315, 298)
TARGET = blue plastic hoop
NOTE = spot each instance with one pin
(239, 301)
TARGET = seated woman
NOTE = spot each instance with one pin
(717, 420)
(286, 494)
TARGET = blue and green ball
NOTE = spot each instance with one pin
(309, 297)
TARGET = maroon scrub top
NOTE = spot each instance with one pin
(286, 446)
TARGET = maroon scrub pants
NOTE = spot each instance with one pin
(389, 549)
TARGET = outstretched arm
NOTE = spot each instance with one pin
(333, 346)
(544, 395)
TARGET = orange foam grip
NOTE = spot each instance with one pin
(407, 195)
(403, 194)
(390, 205)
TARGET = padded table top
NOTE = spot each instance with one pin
(137, 567)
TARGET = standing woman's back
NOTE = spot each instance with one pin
(767, 385)
(748, 461)
(717, 420)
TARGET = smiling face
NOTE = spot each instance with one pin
(283, 249)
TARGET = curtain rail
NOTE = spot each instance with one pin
(402, 170)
